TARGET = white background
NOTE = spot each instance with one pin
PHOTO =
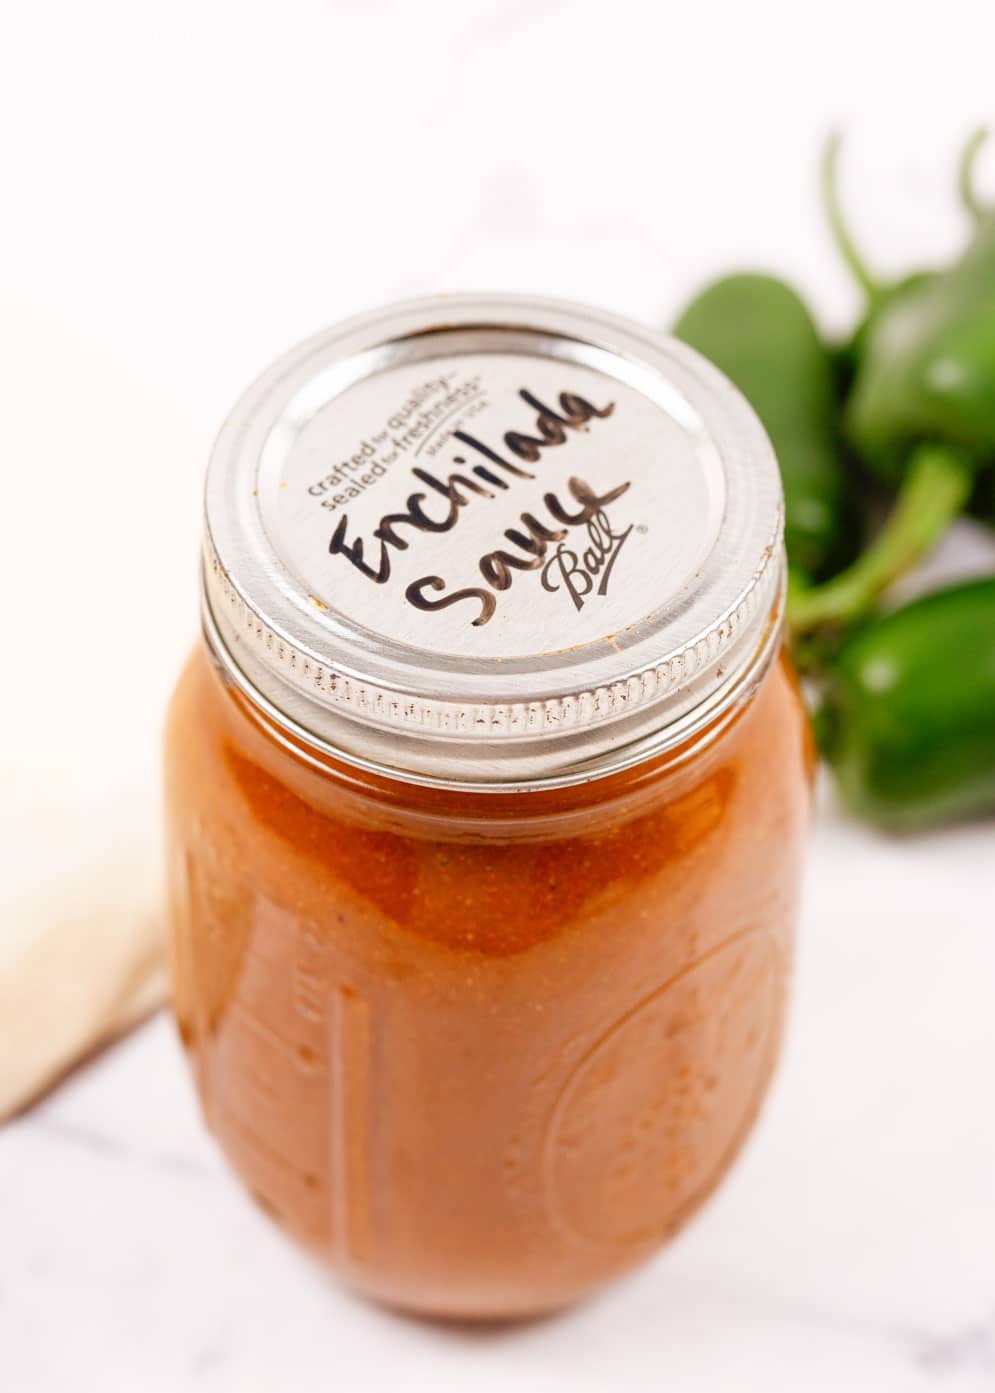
(186, 190)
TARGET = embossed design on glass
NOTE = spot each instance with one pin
(652, 1114)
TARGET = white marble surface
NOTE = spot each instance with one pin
(187, 190)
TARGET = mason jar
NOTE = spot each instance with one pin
(486, 792)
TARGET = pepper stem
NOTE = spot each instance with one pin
(965, 175)
(936, 487)
(840, 231)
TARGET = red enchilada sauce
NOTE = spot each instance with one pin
(482, 911)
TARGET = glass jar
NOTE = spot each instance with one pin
(486, 797)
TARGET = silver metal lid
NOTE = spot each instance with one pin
(492, 542)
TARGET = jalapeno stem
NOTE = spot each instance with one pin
(965, 175)
(936, 487)
(840, 231)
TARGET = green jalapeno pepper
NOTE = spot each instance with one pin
(928, 372)
(908, 717)
(759, 332)
(921, 411)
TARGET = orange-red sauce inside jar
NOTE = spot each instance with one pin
(482, 1052)
(485, 798)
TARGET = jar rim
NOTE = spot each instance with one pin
(303, 743)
